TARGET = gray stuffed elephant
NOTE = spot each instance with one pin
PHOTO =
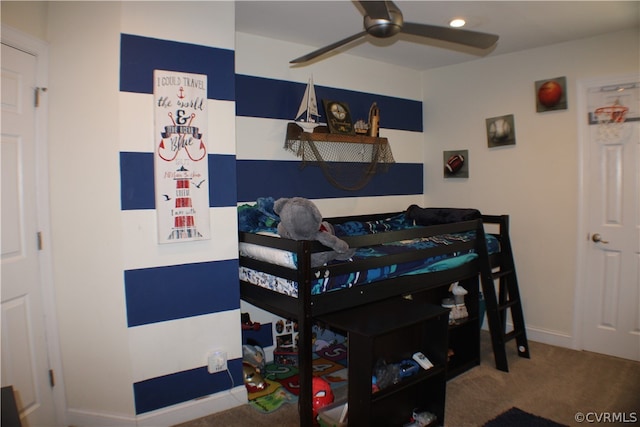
(300, 219)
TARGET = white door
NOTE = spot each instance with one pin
(24, 352)
(612, 172)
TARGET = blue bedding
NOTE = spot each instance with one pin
(426, 265)
(260, 218)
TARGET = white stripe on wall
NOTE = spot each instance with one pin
(137, 127)
(263, 139)
(140, 246)
(259, 56)
(367, 205)
(164, 348)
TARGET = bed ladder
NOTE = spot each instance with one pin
(501, 268)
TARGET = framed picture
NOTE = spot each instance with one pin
(501, 131)
(551, 94)
(181, 166)
(456, 164)
(284, 340)
(338, 117)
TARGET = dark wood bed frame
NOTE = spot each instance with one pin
(306, 307)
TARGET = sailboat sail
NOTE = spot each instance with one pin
(303, 104)
(309, 103)
(313, 104)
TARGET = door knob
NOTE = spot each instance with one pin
(598, 238)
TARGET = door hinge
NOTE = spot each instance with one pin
(39, 238)
(37, 95)
(52, 378)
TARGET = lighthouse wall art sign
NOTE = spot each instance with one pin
(181, 167)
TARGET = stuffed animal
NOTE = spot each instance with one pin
(300, 219)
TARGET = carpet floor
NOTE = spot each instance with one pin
(556, 383)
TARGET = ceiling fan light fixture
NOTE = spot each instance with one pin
(457, 23)
(383, 19)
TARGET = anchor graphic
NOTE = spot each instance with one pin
(182, 133)
(181, 94)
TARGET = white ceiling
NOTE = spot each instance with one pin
(520, 24)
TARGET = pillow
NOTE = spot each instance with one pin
(436, 216)
(264, 253)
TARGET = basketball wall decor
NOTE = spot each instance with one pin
(551, 94)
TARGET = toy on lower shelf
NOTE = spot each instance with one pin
(422, 419)
(456, 303)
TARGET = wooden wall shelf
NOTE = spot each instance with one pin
(354, 159)
(321, 133)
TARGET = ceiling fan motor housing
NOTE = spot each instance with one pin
(383, 28)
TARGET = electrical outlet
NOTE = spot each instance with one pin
(217, 362)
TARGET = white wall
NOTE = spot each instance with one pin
(85, 200)
(535, 181)
(91, 121)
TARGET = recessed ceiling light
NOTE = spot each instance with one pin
(457, 23)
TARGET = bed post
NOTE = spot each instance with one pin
(305, 357)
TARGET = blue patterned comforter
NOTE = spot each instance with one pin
(259, 218)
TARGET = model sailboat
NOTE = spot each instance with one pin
(308, 111)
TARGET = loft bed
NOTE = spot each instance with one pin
(395, 256)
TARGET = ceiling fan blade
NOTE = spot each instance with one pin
(322, 51)
(465, 37)
(376, 9)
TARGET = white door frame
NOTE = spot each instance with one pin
(583, 192)
(40, 50)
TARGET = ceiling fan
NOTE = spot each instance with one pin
(383, 19)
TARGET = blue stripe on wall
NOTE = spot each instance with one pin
(278, 99)
(166, 293)
(289, 179)
(263, 337)
(137, 180)
(139, 56)
(167, 390)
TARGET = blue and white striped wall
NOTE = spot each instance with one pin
(182, 300)
(269, 99)
(268, 93)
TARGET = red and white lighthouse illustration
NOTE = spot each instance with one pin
(184, 224)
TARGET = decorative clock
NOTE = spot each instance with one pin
(338, 117)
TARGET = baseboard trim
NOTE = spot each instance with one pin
(164, 417)
(544, 336)
(550, 337)
(82, 418)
